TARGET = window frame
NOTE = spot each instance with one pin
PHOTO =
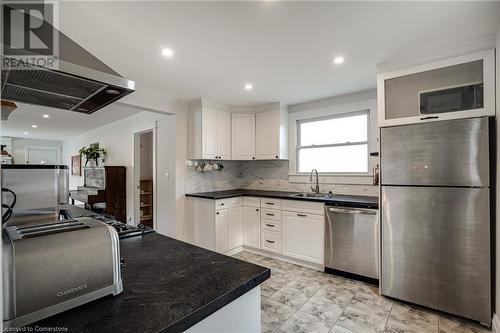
(298, 146)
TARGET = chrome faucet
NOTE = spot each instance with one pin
(316, 188)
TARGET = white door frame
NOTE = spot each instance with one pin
(137, 174)
(57, 149)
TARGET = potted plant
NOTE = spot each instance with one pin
(92, 153)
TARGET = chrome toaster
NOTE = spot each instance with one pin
(52, 267)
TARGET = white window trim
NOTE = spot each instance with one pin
(341, 144)
(335, 110)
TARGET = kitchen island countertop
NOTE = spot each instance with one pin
(169, 286)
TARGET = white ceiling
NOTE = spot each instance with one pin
(285, 49)
(62, 124)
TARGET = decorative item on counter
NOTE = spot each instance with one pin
(92, 153)
(205, 166)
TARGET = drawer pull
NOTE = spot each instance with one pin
(222, 204)
(270, 241)
(257, 209)
(269, 214)
(270, 225)
(269, 203)
(302, 215)
(217, 213)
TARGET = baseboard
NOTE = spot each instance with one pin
(234, 251)
(495, 324)
(277, 256)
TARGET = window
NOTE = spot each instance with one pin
(336, 144)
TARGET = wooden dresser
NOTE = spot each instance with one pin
(104, 185)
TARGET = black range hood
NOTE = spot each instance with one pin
(80, 82)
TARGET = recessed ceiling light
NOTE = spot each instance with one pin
(338, 60)
(34, 126)
(168, 53)
(248, 86)
(26, 133)
(46, 116)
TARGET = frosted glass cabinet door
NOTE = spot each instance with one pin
(461, 87)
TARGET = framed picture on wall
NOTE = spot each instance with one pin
(76, 165)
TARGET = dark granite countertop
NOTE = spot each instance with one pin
(169, 286)
(335, 200)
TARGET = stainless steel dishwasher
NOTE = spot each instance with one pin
(352, 240)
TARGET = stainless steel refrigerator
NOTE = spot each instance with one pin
(435, 197)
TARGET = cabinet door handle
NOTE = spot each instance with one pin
(270, 225)
(269, 241)
(217, 213)
(276, 156)
(222, 204)
(302, 215)
(430, 117)
(253, 158)
(270, 203)
(257, 209)
(269, 214)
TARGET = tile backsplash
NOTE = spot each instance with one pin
(262, 175)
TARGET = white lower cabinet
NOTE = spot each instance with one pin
(271, 241)
(235, 227)
(303, 236)
(251, 226)
(294, 229)
(221, 230)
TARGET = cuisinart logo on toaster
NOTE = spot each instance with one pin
(71, 290)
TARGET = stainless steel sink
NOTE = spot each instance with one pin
(310, 195)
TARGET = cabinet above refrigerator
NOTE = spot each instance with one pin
(460, 87)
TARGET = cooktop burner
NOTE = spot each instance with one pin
(124, 230)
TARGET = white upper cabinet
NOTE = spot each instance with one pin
(224, 135)
(460, 87)
(271, 135)
(243, 136)
(209, 134)
(209, 130)
(214, 133)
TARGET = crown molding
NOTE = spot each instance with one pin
(471, 46)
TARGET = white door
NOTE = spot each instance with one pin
(235, 227)
(224, 135)
(243, 136)
(209, 133)
(251, 226)
(43, 156)
(221, 229)
(267, 137)
(303, 236)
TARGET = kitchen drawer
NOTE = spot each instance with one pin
(303, 207)
(270, 214)
(228, 203)
(270, 225)
(270, 203)
(271, 241)
(251, 202)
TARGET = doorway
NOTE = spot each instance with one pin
(145, 179)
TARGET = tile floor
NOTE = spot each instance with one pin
(297, 299)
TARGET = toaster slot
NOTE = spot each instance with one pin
(46, 226)
(45, 229)
(31, 234)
